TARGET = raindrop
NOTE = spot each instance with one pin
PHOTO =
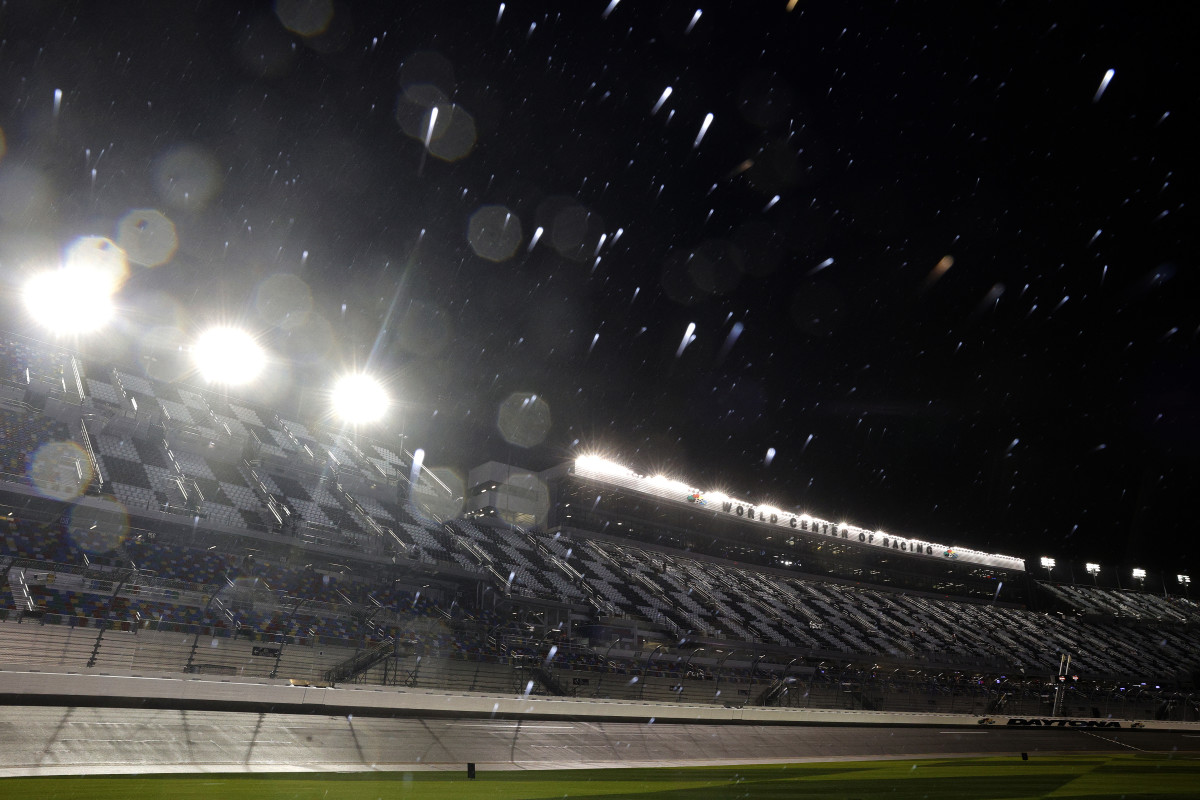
(666, 93)
(826, 263)
(708, 118)
(1107, 79)
(433, 115)
(688, 338)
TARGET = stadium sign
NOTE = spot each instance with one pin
(1020, 722)
(599, 469)
(843, 531)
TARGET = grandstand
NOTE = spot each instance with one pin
(157, 527)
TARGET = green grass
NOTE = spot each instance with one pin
(1140, 776)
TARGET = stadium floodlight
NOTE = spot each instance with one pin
(1139, 574)
(598, 463)
(71, 300)
(359, 399)
(229, 356)
(1092, 569)
(1184, 579)
(671, 484)
(1048, 562)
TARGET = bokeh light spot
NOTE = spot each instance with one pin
(441, 498)
(494, 233)
(524, 419)
(572, 229)
(305, 17)
(187, 177)
(715, 267)
(163, 351)
(310, 341)
(148, 237)
(100, 527)
(414, 112)
(25, 194)
(428, 67)
(99, 256)
(61, 470)
(284, 301)
(456, 138)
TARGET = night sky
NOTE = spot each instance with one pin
(942, 271)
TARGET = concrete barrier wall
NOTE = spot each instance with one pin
(62, 688)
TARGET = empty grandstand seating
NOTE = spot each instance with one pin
(23, 362)
(22, 434)
(236, 469)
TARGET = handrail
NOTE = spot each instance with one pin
(87, 446)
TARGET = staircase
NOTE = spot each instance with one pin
(360, 662)
(549, 682)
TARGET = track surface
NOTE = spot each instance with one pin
(46, 740)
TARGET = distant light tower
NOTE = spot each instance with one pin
(1139, 576)
(1094, 571)
(1048, 563)
(359, 399)
(1184, 581)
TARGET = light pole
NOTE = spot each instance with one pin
(600, 681)
(645, 667)
(754, 666)
(208, 606)
(786, 690)
(125, 575)
(283, 635)
(721, 663)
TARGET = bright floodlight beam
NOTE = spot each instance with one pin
(228, 356)
(359, 399)
(69, 301)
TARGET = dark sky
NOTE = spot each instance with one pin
(947, 278)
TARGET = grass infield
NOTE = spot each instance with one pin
(1084, 776)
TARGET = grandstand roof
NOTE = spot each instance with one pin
(768, 516)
